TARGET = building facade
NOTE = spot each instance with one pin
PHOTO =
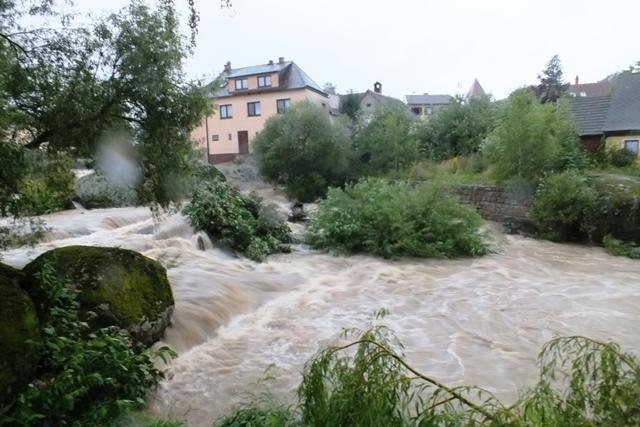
(247, 97)
(425, 106)
(612, 120)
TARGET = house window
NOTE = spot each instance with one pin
(264, 81)
(429, 111)
(253, 109)
(242, 84)
(230, 137)
(215, 138)
(632, 145)
(368, 105)
(416, 110)
(283, 105)
(226, 111)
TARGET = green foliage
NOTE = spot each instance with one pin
(616, 212)
(381, 218)
(368, 383)
(236, 221)
(532, 139)
(350, 105)
(621, 158)
(260, 410)
(86, 378)
(563, 204)
(618, 247)
(64, 89)
(47, 186)
(304, 151)
(458, 129)
(385, 143)
(472, 169)
(551, 86)
(569, 206)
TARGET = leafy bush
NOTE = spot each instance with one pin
(236, 221)
(621, 158)
(47, 186)
(385, 143)
(304, 151)
(616, 213)
(86, 378)
(458, 129)
(562, 206)
(532, 139)
(381, 218)
(368, 383)
(618, 247)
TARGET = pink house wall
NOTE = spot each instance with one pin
(227, 129)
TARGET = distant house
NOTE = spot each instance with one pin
(425, 105)
(601, 88)
(247, 98)
(370, 100)
(613, 120)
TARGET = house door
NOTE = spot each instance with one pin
(243, 142)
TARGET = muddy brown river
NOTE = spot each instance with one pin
(474, 321)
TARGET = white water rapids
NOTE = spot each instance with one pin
(473, 321)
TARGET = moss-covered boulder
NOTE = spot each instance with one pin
(19, 334)
(122, 287)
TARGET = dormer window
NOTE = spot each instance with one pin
(264, 81)
(242, 84)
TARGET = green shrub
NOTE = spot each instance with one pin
(47, 186)
(616, 213)
(367, 382)
(385, 143)
(618, 247)
(562, 206)
(457, 129)
(621, 158)
(85, 378)
(532, 139)
(236, 221)
(304, 151)
(380, 218)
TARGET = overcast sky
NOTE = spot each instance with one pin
(417, 46)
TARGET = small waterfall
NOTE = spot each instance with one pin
(202, 241)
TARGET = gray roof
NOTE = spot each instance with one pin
(624, 113)
(427, 99)
(590, 113)
(257, 69)
(290, 77)
(601, 88)
(387, 101)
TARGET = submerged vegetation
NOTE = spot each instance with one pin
(238, 222)
(582, 382)
(391, 219)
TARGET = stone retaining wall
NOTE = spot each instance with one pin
(511, 207)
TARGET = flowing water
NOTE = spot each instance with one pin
(474, 321)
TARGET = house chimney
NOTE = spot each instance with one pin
(281, 60)
(577, 80)
(271, 62)
(377, 87)
(227, 66)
